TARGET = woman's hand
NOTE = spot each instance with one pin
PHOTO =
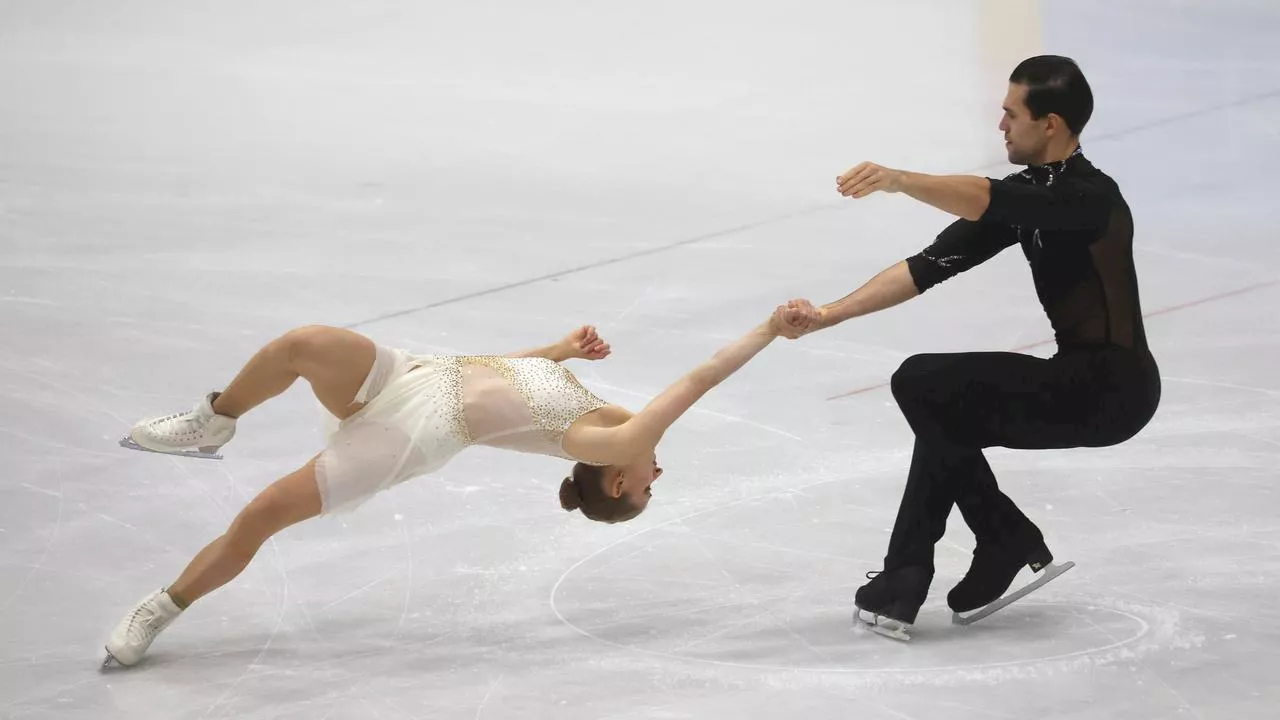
(585, 344)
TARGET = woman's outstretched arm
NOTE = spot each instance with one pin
(643, 431)
(640, 435)
(584, 343)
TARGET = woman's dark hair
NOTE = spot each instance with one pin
(585, 491)
(1056, 85)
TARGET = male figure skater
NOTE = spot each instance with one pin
(1099, 389)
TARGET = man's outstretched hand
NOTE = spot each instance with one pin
(866, 178)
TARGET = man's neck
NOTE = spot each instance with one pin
(1056, 155)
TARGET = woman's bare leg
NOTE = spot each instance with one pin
(287, 501)
(333, 360)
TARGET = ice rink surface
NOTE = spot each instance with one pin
(180, 182)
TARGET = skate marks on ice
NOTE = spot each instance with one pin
(690, 590)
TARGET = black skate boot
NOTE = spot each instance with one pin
(890, 602)
(992, 571)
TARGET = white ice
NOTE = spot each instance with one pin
(180, 182)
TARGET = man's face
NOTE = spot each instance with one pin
(1025, 139)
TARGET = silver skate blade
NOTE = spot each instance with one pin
(127, 442)
(109, 660)
(881, 625)
(1050, 572)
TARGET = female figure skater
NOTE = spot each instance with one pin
(404, 415)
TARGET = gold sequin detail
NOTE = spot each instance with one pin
(448, 371)
(456, 409)
(554, 396)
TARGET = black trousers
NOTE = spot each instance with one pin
(960, 403)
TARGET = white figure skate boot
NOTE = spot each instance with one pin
(197, 433)
(135, 633)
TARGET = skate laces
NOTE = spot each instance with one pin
(141, 623)
(146, 621)
(179, 424)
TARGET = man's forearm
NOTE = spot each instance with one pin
(966, 196)
(892, 286)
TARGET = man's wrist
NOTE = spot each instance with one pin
(911, 182)
(828, 315)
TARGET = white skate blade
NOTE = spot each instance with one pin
(1050, 572)
(881, 625)
(127, 442)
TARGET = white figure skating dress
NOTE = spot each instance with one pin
(422, 410)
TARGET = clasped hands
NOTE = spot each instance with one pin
(796, 318)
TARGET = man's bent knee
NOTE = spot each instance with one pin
(915, 374)
(923, 391)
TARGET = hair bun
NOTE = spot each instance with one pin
(570, 497)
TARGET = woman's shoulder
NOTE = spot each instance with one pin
(600, 437)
